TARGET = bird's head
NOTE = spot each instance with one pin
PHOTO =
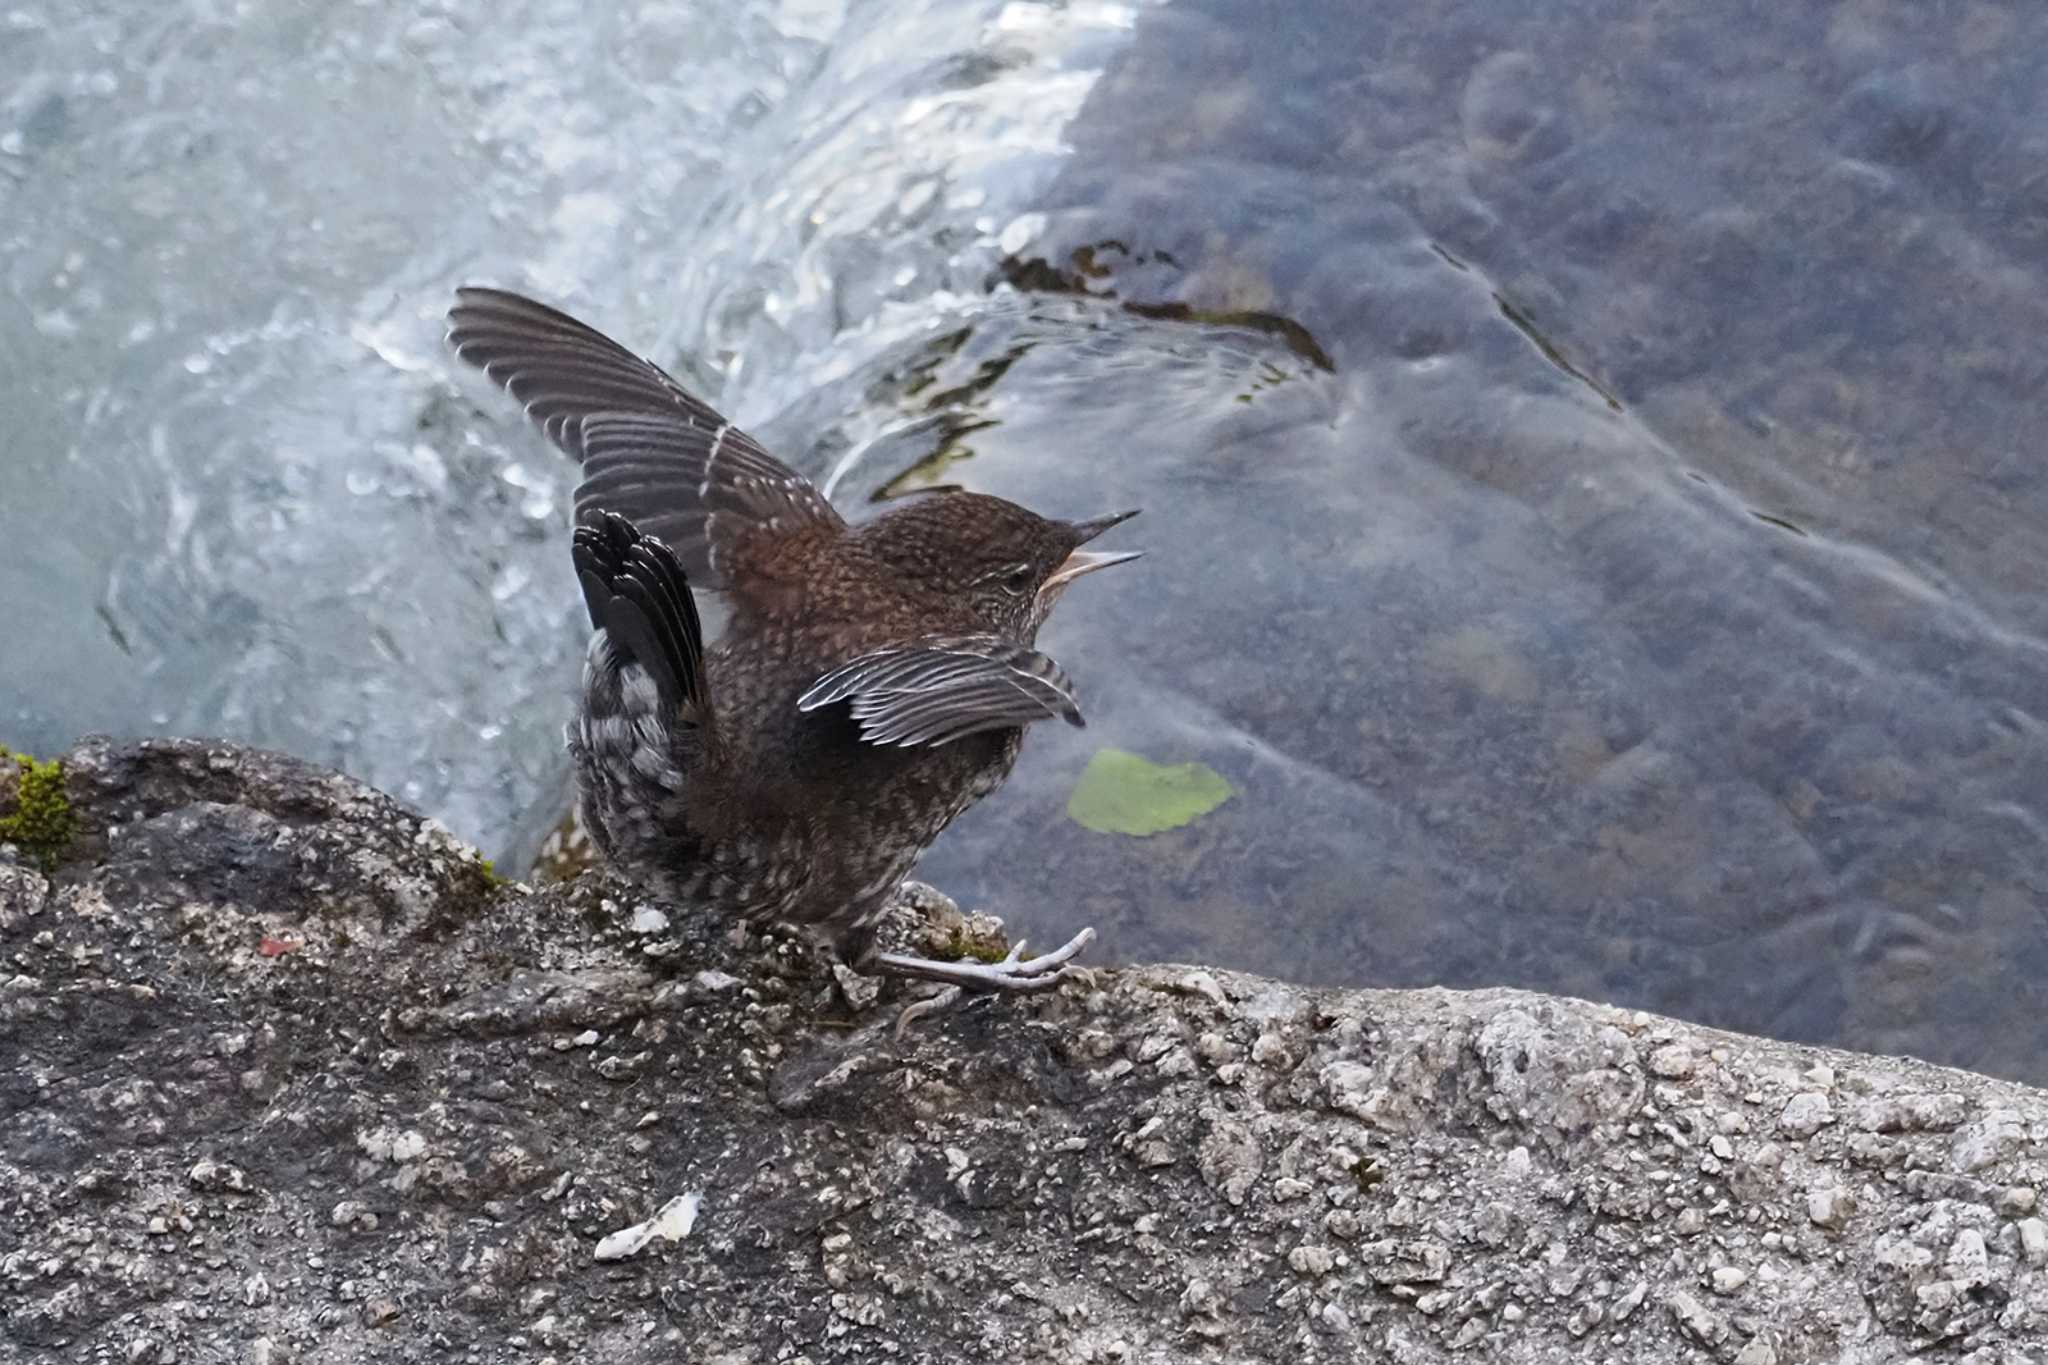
(1009, 564)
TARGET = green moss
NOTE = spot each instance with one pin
(469, 893)
(43, 823)
(961, 944)
(478, 884)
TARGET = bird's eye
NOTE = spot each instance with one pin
(1017, 580)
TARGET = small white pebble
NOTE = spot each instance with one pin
(673, 1223)
(1311, 1260)
(1829, 1207)
(2034, 1241)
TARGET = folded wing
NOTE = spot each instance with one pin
(936, 690)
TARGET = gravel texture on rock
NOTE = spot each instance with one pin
(287, 1075)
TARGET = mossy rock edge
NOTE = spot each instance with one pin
(41, 822)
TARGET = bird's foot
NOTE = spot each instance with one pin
(1014, 973)
(940, 1003)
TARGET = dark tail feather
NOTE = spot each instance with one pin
(639, 596)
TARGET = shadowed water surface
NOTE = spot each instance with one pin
(1644, 606)
(1586, 450)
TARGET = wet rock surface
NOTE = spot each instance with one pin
(286, 1074)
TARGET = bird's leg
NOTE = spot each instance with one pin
(1015, 973)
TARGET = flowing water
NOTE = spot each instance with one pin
(1594, 515)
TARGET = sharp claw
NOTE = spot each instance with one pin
(920, 1009)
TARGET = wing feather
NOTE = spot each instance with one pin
(637, 592)
(936, 690)
(650, 449)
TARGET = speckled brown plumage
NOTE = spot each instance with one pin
(873, 681)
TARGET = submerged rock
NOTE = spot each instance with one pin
(286, 1073)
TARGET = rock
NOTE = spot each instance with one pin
(859, 992)
(1204, 985)
(1969, 1261)
(1700, 1323)
(1312, 1261)
(1756, 1351)
(1805, 1114)
(1829, 1207)
(1673, 1061)
(1913, 1113)
(1200, 1298)
(1398, 1262)
(210, 1175)
(2033, 1241)
(366, 1145)
(1997, 1135)
(1230, 1160)
(352, 1214)
(673, 1222)
(1348, 1088)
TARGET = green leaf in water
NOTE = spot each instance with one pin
(1121, 793)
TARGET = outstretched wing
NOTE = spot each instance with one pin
(934, 691)
(651, 451)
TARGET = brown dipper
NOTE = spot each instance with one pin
(873, 681)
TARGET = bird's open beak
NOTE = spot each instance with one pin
(1088, 530)
(1088, 561)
